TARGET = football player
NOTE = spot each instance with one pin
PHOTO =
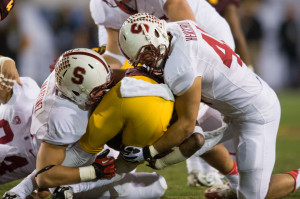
(109, 15)
(17, 156)
(5, 8)
(58, 122)
(196, 66)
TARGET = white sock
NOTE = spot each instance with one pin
(297, 180)
(295, 174)
(232, 177)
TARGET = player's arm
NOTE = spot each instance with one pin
(178, 10)
(186, 106)
(231, 15)
(53, 155)
(8, 73)
(113, 55)
(50, 172)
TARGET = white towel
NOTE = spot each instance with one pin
(131, 87)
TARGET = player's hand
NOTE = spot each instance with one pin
(100, 50)
(10, 195)
(136, 154)
(63, 192)
(104, 166)
(8, 75)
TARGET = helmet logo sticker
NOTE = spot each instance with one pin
(137, 28)
(78, 75)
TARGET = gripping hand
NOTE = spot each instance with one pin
(63, 192)
(104, 166)
(136, 154)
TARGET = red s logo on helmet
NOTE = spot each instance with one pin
(137, 28)
(78, 75)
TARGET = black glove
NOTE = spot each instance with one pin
(104, 166)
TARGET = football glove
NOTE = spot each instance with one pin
(104, 166)
(136, 154)
(63, 192)
(10, 195)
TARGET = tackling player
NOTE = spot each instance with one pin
(109, 15)
(58, 121)
(196, 67)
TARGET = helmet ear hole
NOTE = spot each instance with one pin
(156, 33)
(75, 93)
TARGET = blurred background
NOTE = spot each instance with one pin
(38, 31)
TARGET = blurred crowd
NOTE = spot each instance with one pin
(34, 34)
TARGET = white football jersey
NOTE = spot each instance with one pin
(108, 14)
(57, 120)
(16, 150)
(227, 84)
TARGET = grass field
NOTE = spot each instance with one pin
(287, 153)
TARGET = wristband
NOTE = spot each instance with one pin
(87, 173)
(153, 151)
(172, 158)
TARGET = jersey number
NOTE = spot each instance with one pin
(16, 161)
(226, 54)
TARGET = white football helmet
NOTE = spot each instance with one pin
(82, 75)
(144, 37)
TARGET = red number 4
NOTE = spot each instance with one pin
(226, 56)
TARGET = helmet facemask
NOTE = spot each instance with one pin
(98, 92)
